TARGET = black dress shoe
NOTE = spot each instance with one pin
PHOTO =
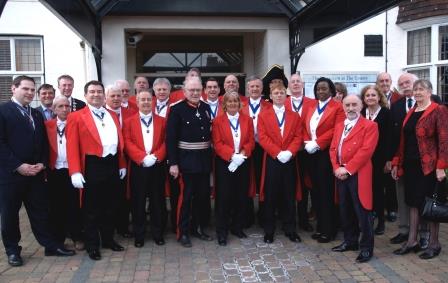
(15, 260)
(399, 238)
(364, 256)
(407, 249)
(200, 234)
(239, 234)
(324, 238)
(315, 236)
(391, 216)
(185, 241)
(139, 243)
(94, 254)
(430, 253)
(59, 252)
(159, 241)
(268, 238)
(306, 227)
(345, 247)
(293, 237)
(424, 243)
(113, 246)
(379, 230)
(222, 241)
(125, 234)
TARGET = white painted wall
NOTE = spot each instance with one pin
(344, 52)
(274, 49)
(63, 53)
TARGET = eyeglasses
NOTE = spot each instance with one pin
(197, 90)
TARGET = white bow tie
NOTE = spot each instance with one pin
(146, 116)
(280, 111)
(99, 111)
(295, 99)
(60, 124)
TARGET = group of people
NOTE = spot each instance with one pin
(82, 169)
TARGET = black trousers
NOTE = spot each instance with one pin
(33, 193)
(193, 198)
(378, 189)
(322, 193)
(123, 209)
(100, 199)
(354, 217)
(279, 193)
(174, 199)
(65, 210)
(257, 162)
(148, 182)
(231, 196)
(302, 205)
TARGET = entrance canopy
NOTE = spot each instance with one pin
(309, 20)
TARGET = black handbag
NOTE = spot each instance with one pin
(435, 209)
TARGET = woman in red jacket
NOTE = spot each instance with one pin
(233, 141)
(422, 158)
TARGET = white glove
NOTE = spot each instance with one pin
(284, 156)
(311, 147)
(78, 180)
(122, 173)
(238, 158)
(149, 160)
(232, 166)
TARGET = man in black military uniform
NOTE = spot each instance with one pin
(189, 157)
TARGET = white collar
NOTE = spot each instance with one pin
(254, 101)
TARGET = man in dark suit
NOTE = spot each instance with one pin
(65, 86)
(23, 157)
(46, 96)
(398, 112)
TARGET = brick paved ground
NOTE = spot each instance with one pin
(248, 260)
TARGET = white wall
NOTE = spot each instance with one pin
(344, 52)
(275, 40)
(62, 51)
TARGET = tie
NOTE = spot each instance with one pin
(60, 129)
(410, 103)
(48, 114)
(347, 129)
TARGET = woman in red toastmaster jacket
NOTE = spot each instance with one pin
(421, 160)
(233, 141)
(280, 135)
(319, 124)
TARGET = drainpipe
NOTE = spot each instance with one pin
(386, 43)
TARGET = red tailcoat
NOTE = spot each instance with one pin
(333, 114)
(132, 103)
(432, 139)
(273, 142)
(83, 139)
(52, 141)
(356, 152)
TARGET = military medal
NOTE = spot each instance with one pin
(197, 113)
(235, 128)
(100, 116)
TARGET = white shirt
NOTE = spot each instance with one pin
(118, 111)
(148, 138)
(235, 134)
(295, 102)
(161, 108)
(61, 159)
(214, 105)
(372, 116)
(108, 133)
(254, 116)
(280, 113)
(48, 113)
(314, 122)
(348, 126)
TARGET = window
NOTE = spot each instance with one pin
(373, 45)
(442, 83)
(443, 43)
(421, 73)
(19, 56)
(419, 46)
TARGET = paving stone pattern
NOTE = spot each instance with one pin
(246, 260)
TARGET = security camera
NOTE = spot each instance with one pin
(134, 39)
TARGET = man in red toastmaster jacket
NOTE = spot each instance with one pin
(96, 163)
(351, 149)
(144, 135)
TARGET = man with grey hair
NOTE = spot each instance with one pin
(384, 84)
(354, 141)
(65, 213)
(188, 142)
(114, 99)
(162, 89)
(125, 91)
